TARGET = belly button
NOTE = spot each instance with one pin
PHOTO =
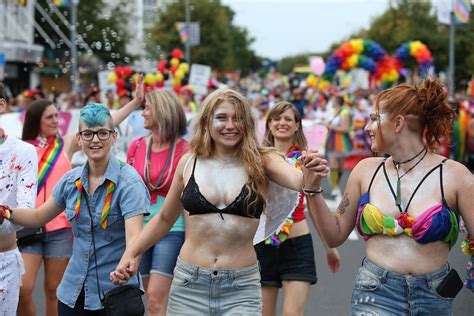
(215, 260)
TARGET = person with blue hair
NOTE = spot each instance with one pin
(54, 151)
(104, 201)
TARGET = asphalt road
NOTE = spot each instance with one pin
(332, 294)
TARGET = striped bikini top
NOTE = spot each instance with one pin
(437, 223)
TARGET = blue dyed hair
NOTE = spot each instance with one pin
(95, 114)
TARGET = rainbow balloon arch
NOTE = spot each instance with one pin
(384, 70)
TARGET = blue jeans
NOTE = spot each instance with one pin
(55, 245)
(161, 258)
(204, 291)
(380, 292)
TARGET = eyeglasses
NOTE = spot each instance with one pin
(102, 134)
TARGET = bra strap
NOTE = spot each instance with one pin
(441, 181)
(375, 173)
(390, 186)
(421, 182)
(194, 166)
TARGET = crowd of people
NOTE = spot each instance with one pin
(184, 216)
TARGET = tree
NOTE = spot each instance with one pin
(224, 45)
(106, 34)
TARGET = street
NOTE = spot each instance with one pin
(332, 294)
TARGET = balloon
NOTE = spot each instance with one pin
(135, 78)
(127, 70)
(177, 53)
(120, 83)
(119, 71)
(317, 65)
(159, 77)
(184, 67)
(112, 77)
(177, 88)
(174, 62)
(160, 84)
(179, 74)
(173, 69)
(149, 79)
(162, 65)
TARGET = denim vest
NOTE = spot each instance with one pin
(130, 198)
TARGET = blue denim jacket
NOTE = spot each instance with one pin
(130, 198)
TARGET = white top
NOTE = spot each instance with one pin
(18, 177)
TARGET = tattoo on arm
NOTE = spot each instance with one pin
(341, 209)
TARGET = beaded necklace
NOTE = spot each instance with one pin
(147, 172)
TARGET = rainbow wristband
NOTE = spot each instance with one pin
(7, 212)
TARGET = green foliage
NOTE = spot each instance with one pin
(286, 64)
(224, 45)
(106, 34)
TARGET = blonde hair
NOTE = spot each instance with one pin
(167, 113)
(278, 109)
(249, 153)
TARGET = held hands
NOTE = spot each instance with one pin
(126, 268)
(314, 168)
(5, 213)
(333, 260)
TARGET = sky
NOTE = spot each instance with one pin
(289, 27)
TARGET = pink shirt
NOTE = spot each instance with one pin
(62, 166)
(136, 157)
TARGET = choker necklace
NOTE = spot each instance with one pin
(396, 164)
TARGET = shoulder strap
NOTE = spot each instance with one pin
(390, 186)
(441, 181)
(420, 183)
(375, 173)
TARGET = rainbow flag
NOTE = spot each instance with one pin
(462, 10)
(183, 32)
(48, 160)
(61, 3)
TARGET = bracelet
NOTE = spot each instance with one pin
(7, 212)
(312, 192)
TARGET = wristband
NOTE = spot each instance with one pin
(312, 192)
(7, 211)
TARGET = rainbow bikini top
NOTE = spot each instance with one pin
(439, 222)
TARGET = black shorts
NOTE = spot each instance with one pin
(292, 261)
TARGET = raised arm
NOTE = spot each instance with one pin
(335, 228)
(139, 95)
(154, 230)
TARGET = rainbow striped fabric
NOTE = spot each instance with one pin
(48, 161)
(462, 10)
(438, 222)
(109, 190)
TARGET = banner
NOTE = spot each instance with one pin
(61, 3)
(183, 32)
(460, 8)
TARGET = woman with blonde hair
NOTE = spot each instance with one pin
(223, 184)
(155, 158)
(286, 257)
(406, 206)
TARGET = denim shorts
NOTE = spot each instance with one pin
(208, 291)
(292, 261)
(380, 292)
(55, 245)
(161, 258)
